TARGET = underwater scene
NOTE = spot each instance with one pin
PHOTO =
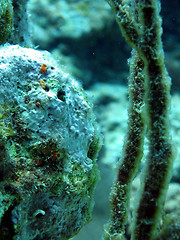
(89, 120)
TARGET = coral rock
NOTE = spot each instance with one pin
(49, 145)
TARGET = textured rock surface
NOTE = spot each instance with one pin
(49, 145)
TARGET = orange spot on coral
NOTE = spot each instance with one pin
(42, 83)
(43, 68)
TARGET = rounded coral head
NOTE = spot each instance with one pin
(50, 145)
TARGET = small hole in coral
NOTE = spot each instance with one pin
(46, 88)
(61, 95)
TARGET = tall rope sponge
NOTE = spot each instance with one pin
(149, 102)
